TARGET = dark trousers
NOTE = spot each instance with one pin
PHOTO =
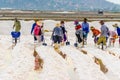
(57, 39)
(42, 38)
(79, 38)
(95, 39)
(35, 38)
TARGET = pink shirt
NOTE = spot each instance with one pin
(37, 30)
(113, 33)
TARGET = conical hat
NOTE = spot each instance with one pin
(115, 25)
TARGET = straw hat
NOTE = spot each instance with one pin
(115, 25)
(92, 27)
(57, 25)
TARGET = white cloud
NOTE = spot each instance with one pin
(115, 1)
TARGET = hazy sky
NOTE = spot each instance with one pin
(115, 1)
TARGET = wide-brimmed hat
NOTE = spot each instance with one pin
(92, 27)
(57, 25)
(115, 25)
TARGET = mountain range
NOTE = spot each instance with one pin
(67, 5)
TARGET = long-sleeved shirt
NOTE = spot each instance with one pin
(118, 31)
(104, 31)
(17, 26)
(57, 31)
(95, 32)
(33, 26)
(63, 28)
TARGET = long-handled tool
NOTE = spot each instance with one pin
(67, 43)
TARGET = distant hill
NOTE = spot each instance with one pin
(81, 5)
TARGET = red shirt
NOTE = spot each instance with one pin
(77, 27)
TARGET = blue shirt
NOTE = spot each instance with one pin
(85, 27)
(118, 31)
(57, 31)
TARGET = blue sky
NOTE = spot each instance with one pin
(115, 1)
